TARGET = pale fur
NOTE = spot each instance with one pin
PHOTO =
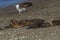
(20, 9)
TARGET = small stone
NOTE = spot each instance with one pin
(9, 33)
(0, 33)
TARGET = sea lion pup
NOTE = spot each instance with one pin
(23, 23)
(22, 7)
(33, 23)
(56, 22)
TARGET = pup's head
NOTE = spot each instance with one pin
(14, 23)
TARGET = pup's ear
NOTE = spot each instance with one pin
(26, 4)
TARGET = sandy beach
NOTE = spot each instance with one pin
(41, 9)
